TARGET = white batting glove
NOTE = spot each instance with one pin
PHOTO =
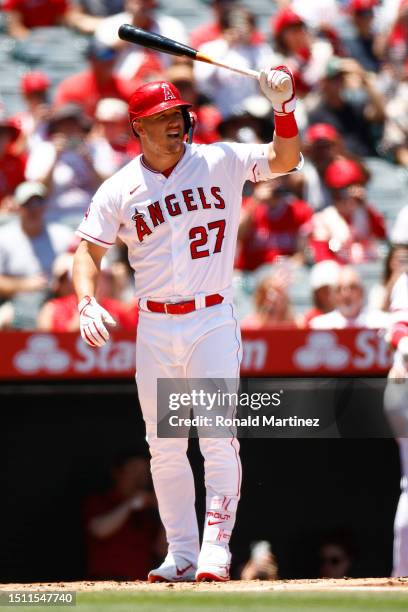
(278, 86)
(91, 322)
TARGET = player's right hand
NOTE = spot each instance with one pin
(92, 319)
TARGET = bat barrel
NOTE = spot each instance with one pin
(154, 41)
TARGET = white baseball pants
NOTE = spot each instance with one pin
(203, 344)
(396, 409)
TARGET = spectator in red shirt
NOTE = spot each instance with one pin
(24, 15)
(100, 81)
(12, 165)
(322, 145)
(34, 87)
(348, 230)
(397, 44)
(123, 530)
(60, 313)
(297, 48)
(270, 225)
(212, 30)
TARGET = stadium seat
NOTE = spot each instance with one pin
(387, 189)
(243, 286)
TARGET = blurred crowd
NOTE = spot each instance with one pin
(350, 63)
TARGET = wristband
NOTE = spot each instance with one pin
(285, 125)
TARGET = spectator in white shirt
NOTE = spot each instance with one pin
(140, 13)
(235, 46)
(111, 138)
(350, 310)
(399, 232)
(64, 164)
(28, 247)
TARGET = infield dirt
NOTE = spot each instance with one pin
(234, 586)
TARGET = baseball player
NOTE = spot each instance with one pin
(177, 207)
(396, 408)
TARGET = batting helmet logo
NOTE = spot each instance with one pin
(168, 94)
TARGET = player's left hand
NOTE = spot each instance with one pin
(279, 90)
(92, 319)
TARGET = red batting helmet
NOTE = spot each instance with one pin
(154, 97)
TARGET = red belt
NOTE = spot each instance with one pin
(180, 308)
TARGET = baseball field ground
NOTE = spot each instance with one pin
(354, 595)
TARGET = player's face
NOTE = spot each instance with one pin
(163, 132)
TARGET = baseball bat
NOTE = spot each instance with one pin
(172, 47)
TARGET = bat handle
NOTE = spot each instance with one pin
(247, 72)
(201, 57)
(254, 74)
(285, 84)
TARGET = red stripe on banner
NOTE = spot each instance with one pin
(268, 352)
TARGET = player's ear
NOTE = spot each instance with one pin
(137, 128)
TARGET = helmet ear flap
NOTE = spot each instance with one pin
(190, 120)
(187, 119)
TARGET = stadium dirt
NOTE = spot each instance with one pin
(234, 586)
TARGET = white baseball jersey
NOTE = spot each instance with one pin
(180, 231)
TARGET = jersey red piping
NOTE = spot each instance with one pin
(235, 410)
(148, 167)
(93, 237)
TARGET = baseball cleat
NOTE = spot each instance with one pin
(173, 572)
(212, 573)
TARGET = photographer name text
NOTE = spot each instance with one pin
(249, 421)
